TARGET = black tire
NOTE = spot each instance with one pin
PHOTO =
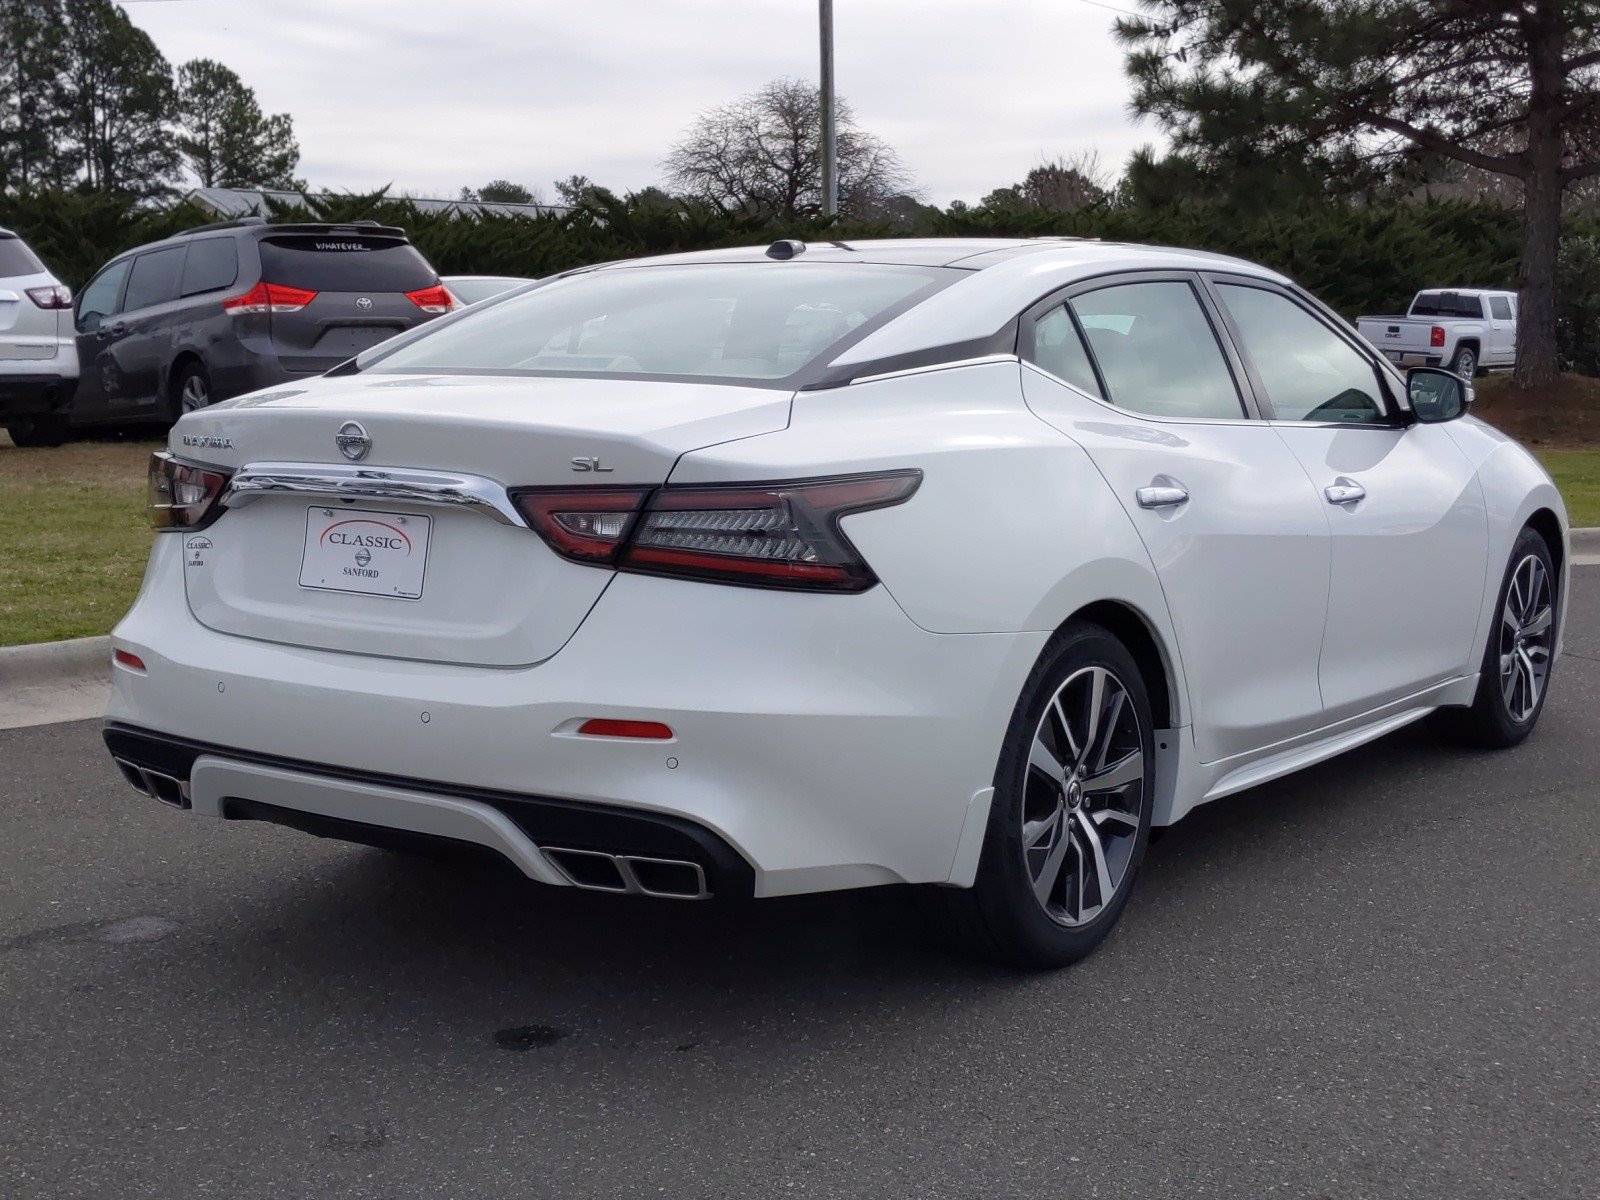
(1001, 917)
(48, 429)
(1465, 362)
(1491, 723)
(190, 389)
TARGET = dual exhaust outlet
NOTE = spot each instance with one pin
(165, 788)
(630, 874)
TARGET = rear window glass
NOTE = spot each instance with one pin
(1500, 307)
(340, 262)
(213, 263)
(1446, 304)
(735, 321)
(154, 278)
(17, 259)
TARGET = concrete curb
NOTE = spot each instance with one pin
(48, 662)
(1585, 541)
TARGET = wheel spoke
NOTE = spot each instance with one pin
(1044, 884)
(1539, 623)
(1096, 761)
(1097, 694)
(1042, 759)
(1102, 816)
(1126, 770)
(1034, 832)
(1090, 840)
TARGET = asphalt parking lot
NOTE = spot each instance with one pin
(1378, 979)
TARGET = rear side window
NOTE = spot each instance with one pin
(345, 263)
(1157, 351)
(213, 263)
(99, 299)
(750, 322)
(17, 259)
(1500, 307)
(1446, 304)
(154, 278)
(1058, 349)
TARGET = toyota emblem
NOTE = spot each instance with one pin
(353, 440)
(363, 302)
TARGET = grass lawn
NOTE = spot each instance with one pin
(1577, 474)
(73, 538)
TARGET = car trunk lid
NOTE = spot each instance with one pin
(437, 582)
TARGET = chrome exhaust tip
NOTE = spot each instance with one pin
(630, 874)
(165, 788)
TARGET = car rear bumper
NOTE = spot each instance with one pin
(34, 393)
(826, 741)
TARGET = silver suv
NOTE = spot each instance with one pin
(38, 356)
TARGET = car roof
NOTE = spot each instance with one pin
(1465, 291)
(1003, 277)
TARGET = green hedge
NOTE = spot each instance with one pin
(1357, 258)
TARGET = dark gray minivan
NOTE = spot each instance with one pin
(224, 309)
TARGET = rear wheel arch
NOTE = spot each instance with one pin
(1134, 631)
(175, 370)
(1547, 525)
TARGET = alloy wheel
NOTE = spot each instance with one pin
(195, 393)
(1527, 631)
(1083, 797)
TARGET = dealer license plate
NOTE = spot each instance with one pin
(373, 553)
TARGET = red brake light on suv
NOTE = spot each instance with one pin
(432, 299)
(268, 298)
(1436, 337)
(782, 535)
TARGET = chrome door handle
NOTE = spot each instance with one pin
(1344, 493)
(1161, 497)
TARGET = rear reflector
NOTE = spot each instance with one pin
(601, 727)
(124, 659)
(432, 299)
(268, 298)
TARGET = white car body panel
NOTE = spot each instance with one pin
(831, 740)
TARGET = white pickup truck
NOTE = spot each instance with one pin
(1466, 330)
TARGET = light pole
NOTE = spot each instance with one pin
(830, 163)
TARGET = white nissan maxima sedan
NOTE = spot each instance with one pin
(755, 572)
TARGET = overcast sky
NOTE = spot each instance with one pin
(432, 95)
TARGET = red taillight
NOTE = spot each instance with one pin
(432, 299)
(586, 525)
(649, 730)
(1436, 338)
(183, 495)
(54, 296)
(124, 659)
(268, 298)
(783, 535)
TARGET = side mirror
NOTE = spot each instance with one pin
(1437, 395)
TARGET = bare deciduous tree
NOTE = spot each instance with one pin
(1065, 183)
(762, 156)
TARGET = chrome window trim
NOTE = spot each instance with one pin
(447, 488)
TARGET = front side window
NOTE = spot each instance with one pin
(99, 299)
(1310, 373)
(1157, 352)
(154, 278)
(755, 322)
